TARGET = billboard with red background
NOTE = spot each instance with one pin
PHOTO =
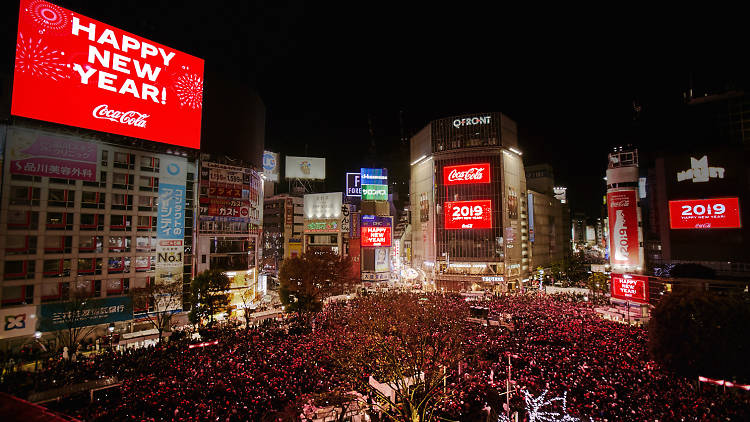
(468, 214)
(76, 71)
(623, 227)
(715, 213)
(629, 287)
(376, 236)
(466, 174)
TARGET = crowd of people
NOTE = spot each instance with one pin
(557, 344)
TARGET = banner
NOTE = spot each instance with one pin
(715, 213)
(623, 227)
(36, 153)
(54, 316)
(17, 321)
(76, 71)
(376, 236)
(170, 229)
(466, 174)
(630, 287)
(271, 166)
(353, 185)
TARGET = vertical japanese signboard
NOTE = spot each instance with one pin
(170, 235)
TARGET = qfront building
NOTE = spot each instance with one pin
(468, 199)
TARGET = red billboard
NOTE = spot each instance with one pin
(468, 214)
(630, 287)
(715, 213)
(376, 236)
(466, 174)
(623, 227)
(76, 71)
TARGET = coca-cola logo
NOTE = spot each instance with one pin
(130, 118)
(474, 173)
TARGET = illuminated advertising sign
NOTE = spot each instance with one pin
(468, 214)
(374, 176)
(305, 168)
(376, 236)
(630, 287)
(530, 202)
(353, 185)
(322, 226)
(323, 205)
(716, 213)
(623, 227)
(471, 121)
(271, 166)
(699, 171)
(36, 153)
(17, 321)
(170, 229)
(377, 221)
(375, 192)
(469, 173)
(76, 71)
(56, 316)
(382, 264)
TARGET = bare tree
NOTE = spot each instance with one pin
(405, 344)
(75, 317)
(160, 301)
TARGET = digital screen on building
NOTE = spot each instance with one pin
(76, 71)
(466, 174)
(716, 213)
(374, 176)
(629, 287)
(622, 209)
(376, 236)
(353, 185)
(375, 192)
(468, 214)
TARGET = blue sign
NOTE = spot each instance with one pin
(376, 221)
(62, 316)
(171, 221)
(373, 176)
(353, 185)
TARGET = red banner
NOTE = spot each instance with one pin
(716, 213)
(468, 214)
(623, 227)
(469, 173)
(74, 70)
(629, 287)
(376, 236)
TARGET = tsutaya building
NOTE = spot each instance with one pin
(468, 198)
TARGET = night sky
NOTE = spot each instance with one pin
(567, 75)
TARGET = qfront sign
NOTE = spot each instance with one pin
(471, 121)
(699, 171)
(716, 213)
(629, 287)
(466, 174)
(468, 214)
(73, 70)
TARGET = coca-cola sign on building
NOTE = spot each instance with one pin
(468, 173)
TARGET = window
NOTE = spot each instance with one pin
(101, 183)
(20, 245)
(54, 291)
(149, 164)
(105, 158)
(56, 267)
(24, 195)
(61, 198)
(90, 244)
(122, 181)
(89, 266)
(148, 184)
(59, 221)
(118, 264)
(145, 243)
(19, 270)
(123, 160)
(146, 203)
(143, 263)
(122, 201)
(18, 295)
(146, 222)
(117, 286)
(62, 181)
(58, 244)
(92, 222)
(120, 222)
(92, 199)
(119, 243)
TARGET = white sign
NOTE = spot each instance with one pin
(323, 205)
(345, 222)
(271, 166)
(700, 171)
(485, 120)
(305, 168)
(19, 321)
(492, 278)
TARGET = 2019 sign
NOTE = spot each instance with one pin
(468, 214)
(77, 71)
(716, 213)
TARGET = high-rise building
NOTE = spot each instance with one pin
(282, 229)
(549, 231)
(468, 199)
(624, 212)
